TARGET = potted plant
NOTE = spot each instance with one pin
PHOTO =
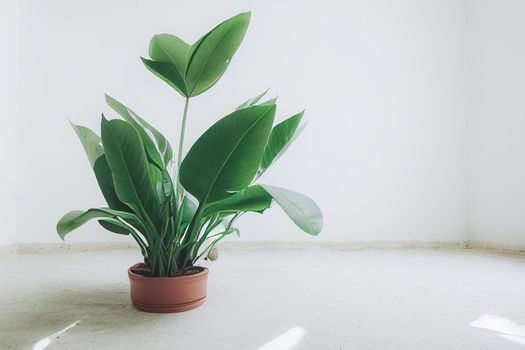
(177, 210)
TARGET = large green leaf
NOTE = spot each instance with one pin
(106, 184)
(253, 198)
(169, 49)
(95, 152)
(157, 146)
(91, 142)
(128, 163)
(300, 208)
(226, 157)
(169, 73)
(281, 135)
(77, 218)
(210, 56)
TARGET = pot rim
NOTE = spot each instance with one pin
(136, 276)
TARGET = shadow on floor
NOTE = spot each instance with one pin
(99, 309)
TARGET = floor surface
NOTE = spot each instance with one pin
(413, 299)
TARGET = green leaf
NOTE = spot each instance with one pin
(106, 185)
(91, 142)
(169, 73)
(128, 163)
(300, 208)
(161, 144)
(95, 152)
(210, 56)
(115, 226)
(77, 218)
(226, 157)
(186, 213)
(169, 49)
(253, 198)
(157, 179)
(252, 101)
(281, 136)
(188, 209)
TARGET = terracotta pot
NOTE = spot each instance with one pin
(167, 294)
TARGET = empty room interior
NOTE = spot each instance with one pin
(147, 201)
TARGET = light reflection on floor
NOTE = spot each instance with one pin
(286, 341)
(45, 342)
(503, 327)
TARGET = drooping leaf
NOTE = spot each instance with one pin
(252, 101)
(253, 198)
(128, 163)
(300, 208)
(226, 157)
(280, 137)
(169, 73)
(210, 55)
(154, 144)
(115, 226)
(77, 218)
(91, 142)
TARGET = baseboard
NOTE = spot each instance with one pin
(254, 246)
(37, 248)
(338, 246)
(238, 246)
(514, 249)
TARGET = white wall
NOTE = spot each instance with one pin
(383, 83)
(497, 121)
(8, 115)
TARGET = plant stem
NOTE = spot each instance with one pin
(180, 190)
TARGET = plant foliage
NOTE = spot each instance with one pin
(177, 213)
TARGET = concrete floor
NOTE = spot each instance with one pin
(412, 299)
